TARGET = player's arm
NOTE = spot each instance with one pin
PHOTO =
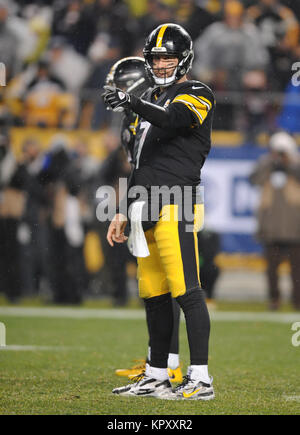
(185, 110)
(172, 117)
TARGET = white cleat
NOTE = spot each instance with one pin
(191, 389)
(145, 386)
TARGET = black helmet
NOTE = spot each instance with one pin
(129, 74)
(171, 40)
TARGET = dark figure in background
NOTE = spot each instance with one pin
(13, 180)
(114, 167)
(74, 21)
(209, 247)
(32, 231)
(66, 232)
(278, 175)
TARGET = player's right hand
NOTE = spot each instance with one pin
(115, 98)
(116, 230)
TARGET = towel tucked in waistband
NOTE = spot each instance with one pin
(137, 243)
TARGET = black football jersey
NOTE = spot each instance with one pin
(174, 155)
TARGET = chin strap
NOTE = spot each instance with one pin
(167, 81)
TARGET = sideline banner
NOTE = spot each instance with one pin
(230, 199)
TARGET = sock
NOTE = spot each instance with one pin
(156, 373)
(197, 372)
(149, 354)
(173, 361)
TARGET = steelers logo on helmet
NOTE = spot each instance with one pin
(129, 74)
(173, 41)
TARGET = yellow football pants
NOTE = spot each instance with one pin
(173, 263)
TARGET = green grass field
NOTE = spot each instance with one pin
(65, 365)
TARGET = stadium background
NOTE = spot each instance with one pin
(57, 55)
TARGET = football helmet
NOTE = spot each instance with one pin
(170, 40)
(129, 74)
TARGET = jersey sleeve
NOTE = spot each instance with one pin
(198, 103)
(187, 109)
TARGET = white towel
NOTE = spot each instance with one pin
(137, 243)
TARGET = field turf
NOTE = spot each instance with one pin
(65, 365)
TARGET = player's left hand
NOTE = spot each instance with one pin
(116, 230)
(115, 98)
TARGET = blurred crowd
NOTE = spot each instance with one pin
(51, 243)
(58, 53)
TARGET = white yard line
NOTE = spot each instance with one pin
(31, 348)
(86, 313)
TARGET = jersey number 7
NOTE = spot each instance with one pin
(145, 125)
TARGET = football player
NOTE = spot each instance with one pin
(173, 139)
(129, 74)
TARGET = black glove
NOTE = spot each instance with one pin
(115, 98)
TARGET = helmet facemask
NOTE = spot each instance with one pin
(183, 66)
